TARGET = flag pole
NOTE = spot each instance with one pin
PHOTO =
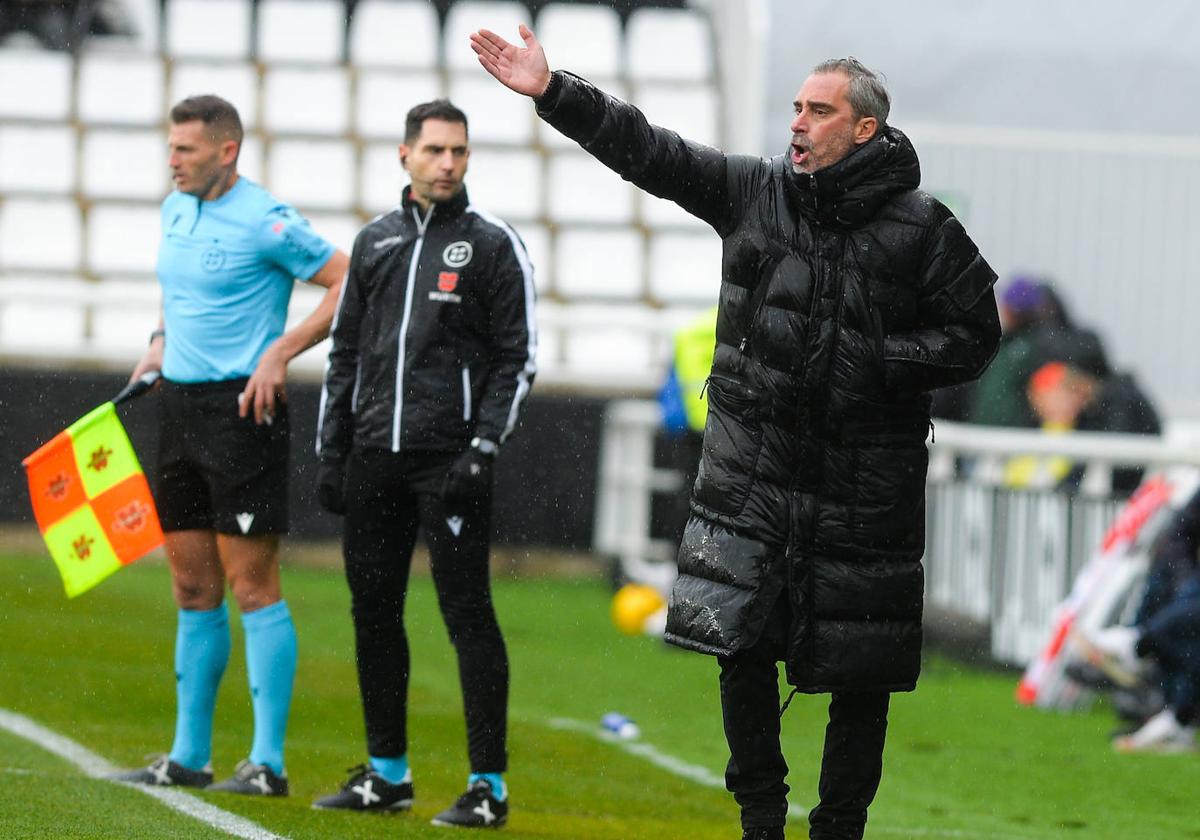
(137, 387)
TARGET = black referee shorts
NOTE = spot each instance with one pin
(218, 471)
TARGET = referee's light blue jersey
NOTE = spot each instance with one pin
(227, 269)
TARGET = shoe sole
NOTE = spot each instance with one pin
(399, 805)
(254, 792)
(443, 824)
(1104, 661)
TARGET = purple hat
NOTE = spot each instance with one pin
(1023, 294)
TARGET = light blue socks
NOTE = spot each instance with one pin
(496, 780)
(271, 667)
(395, 770)
(201, 653)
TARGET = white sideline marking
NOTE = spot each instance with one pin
(705, 777)
(99, 768)
(677, 766)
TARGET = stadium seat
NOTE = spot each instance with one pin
(496, 115)
(685, 268)
(467, 16)
(394, 33)
(37, 158)
(608, 341)
(583, 190)
(384, 97)
(310, 100)
(123, 313)
(40, 234)
(657, 212)
(236, 82)
(47, 314)
(312, 174)
(307, 31)
(380, 178)
(44, 91)
(123, 238)
(591, 34)
(250, 161)
(690, 111)
(120, 89)
(208, 28)
(125, 164)
(593, 263)
(537, 245)
(669, 44)
(338, 228)
(507, 183)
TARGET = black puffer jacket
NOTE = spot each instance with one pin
(434, 339)
(846, 296)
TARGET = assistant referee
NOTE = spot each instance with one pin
(227, 261)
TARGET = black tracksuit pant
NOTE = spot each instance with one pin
(388, 496)
(853, 758)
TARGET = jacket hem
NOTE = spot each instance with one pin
(698, 647)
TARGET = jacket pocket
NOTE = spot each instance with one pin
(733, 439)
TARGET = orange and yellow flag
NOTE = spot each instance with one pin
(91, 500)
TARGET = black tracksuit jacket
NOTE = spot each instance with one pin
(434, 340)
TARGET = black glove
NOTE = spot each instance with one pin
(468, 481)
(331, 486)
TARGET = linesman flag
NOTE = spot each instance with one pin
(91, 499)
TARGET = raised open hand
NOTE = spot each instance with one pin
(522, 70)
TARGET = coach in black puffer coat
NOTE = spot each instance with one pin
(846, 296)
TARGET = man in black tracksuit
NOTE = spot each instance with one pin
(847, 295)
(433, 354)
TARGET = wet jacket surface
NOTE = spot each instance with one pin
(846, 296)
(434, 339)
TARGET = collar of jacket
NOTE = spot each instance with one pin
(850, 193)
(441, 209)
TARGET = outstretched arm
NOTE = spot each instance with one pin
(699, 178)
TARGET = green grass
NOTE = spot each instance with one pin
(963, 761)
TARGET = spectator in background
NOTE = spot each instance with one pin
(1166, 634)
(685, 408)
(998, 398)
(1066, 397)
(1037, 329)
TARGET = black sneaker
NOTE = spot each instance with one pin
(253, 780)
(164, 772)
(771, 832)
(477, 808)
(368, 791)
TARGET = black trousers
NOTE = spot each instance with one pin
(388, 497)
(852, 763)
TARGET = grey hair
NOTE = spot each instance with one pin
(868, 90)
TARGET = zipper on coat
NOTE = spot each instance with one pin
(414, 261)
(466, 382)
(775, 255)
